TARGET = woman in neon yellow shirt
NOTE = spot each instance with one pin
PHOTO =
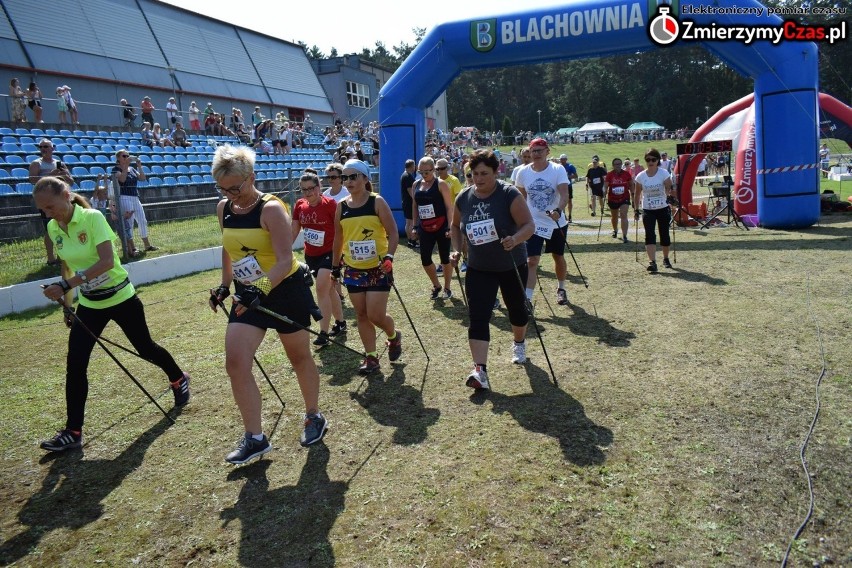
(82, 240)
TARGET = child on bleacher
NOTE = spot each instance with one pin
(100, 197)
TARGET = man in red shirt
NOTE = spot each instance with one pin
(314, 214)
(619, 187)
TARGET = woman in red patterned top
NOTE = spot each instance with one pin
(314, 215)
(619, 187)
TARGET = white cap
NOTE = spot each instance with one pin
(563, 157)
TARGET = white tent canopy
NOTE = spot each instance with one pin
(597, 128)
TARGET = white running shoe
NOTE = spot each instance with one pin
(519, 353)
(478, 379)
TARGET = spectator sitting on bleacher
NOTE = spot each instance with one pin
(194, 113)
(330, 137)
(162, 137)
(147, 135)
(147, 108)
(210, 123)
(128, 113)
(179, 136)
(219, 128)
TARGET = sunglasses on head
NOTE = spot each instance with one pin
(350, 177)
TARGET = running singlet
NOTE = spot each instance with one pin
(619, 186)
(365, 242)
(484, 222)
(317, 224)
(248, 244)
(430, 203)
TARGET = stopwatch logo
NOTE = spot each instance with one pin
(664, 29)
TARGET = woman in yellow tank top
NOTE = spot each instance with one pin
(365, 240)
(257, 256)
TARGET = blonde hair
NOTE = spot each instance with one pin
(233, 160)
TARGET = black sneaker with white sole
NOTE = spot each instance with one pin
(180, 390)
(322, 339)
(652, 267)
(63, 440)
(667, 264)
(338, 328)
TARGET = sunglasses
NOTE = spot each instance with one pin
(332, 177)
(308, 189)
(45, 147)
(350, 177)
(230, 190)
(441, 168)
(124, 155)
(426, 171)
(652, 160)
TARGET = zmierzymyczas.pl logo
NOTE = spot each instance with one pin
(664, 29)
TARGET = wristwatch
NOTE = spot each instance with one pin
(82, 276)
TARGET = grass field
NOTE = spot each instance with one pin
(672, 439)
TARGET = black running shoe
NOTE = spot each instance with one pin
(180, 388)
(338, 328)
(248, 449)
(652, 267)
(322, 339)
(436, 293)
(64, 440)
(615, 234)
(667, 264)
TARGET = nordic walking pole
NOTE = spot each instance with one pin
(399, 297)
(535, 323)
(636, 233)
(69, 313)
(673, 201)
(461, 284)
(600, 224)
(575, 264)
(543, 295)
(287, 320)
(259, 366)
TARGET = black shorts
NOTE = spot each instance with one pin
(615, 205)
(292, 298)
(276, 142)
(570, 191)
(316, 263)
(407, 205)
(33, 104)
(597, 191)
(555, 244)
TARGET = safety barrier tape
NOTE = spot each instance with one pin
(788, 169)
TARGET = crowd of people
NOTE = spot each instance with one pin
(490, 222)
(32, 98)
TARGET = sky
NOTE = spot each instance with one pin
(336, 24)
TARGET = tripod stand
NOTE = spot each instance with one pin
(720, 191)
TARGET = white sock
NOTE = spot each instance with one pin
(562, 284)
(258, 437)
(530, 292)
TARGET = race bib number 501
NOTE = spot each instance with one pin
(481, 232)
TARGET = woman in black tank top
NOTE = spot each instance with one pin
(432, 214)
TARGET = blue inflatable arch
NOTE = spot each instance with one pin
(785, 85)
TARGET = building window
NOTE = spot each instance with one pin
(357, 95)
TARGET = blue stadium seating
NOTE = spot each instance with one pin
(170, 169)
(86, 159)
(196, 178)
(184, 180)
(87, 185)
(15, 159)
(155, 182)
(169, 180)
(24, 187)
(157, 169)
(6, 189)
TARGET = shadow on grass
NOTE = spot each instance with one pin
(584, 323)
(553, 412)
(72, 490)
(339, 363)
(288, 526)
(390, 402)
(691, 276)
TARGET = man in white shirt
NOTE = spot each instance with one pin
(545, 186)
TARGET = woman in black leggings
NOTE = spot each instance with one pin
(654, 191)
(493, 219)
(432, 215)
(83, 241)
